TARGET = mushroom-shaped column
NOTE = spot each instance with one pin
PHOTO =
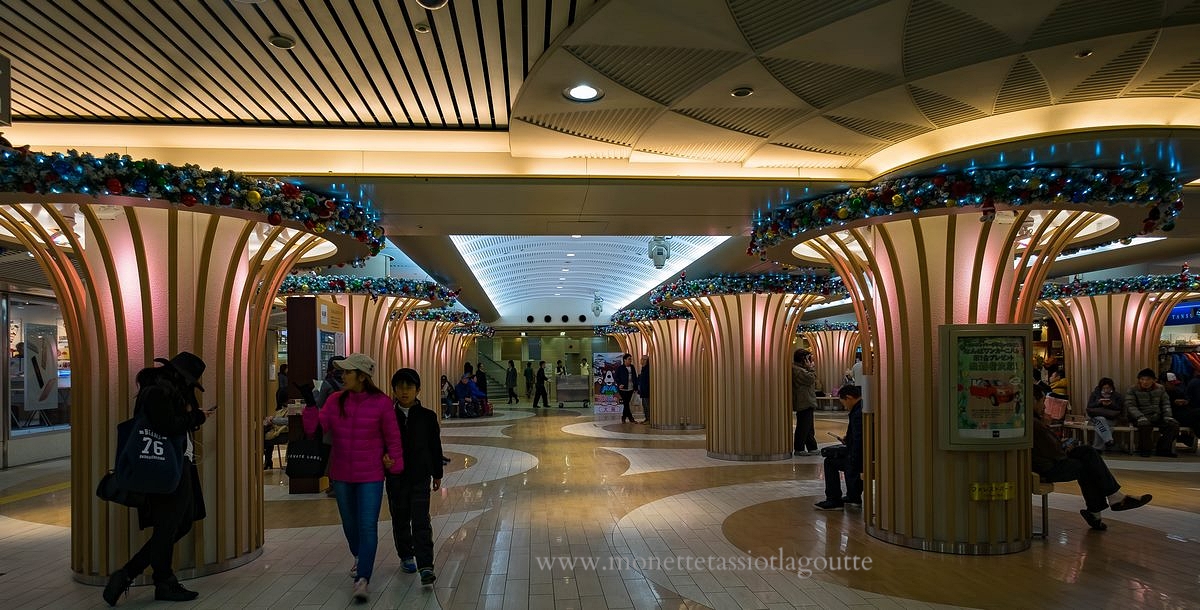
(748, 322)
(633, 343)
(420, 343)
(1111, 327)
(147, 260)
(833, 347)
(374, 307)
(915, 256)
(680, 368)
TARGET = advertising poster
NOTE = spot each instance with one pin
(604, 384)
(989, 382)
(41, 367)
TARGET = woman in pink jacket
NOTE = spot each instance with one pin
(362, 428)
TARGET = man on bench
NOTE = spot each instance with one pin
(470, 397)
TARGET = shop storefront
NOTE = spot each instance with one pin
(36, 381)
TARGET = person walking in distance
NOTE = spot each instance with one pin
(362, 425)
(510, 383)
(626, 384)
(408, 492)
(541, 386)
(528, 380)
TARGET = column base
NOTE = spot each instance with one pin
(734, 457)
(948, 547)
(677, 426)
(181, 574)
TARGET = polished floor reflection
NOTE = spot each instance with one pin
(554, 509)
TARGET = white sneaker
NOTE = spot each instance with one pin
(360, 590)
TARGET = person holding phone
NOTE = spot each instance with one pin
(1103, 410)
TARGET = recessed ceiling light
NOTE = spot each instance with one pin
(558, 287)
(582, 93)
(282, 41)
(557, 294)
(421, 28)
(741, 92)
(1083, 53)
(570, 254)
(562, 333)
(522, 333)
(562, 279)
(576, 236)
(432, 5)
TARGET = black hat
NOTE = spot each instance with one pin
(188, 365)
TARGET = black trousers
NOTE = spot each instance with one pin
(541, 393)
(1085, 465)
(833, 482)
(626, 396)
(645, 406)
(408, 503)
(528, 389)
(171, 516)
(1167, 433)
(805, 438)
(512, 395)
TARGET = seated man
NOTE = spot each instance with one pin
(1147, 406)
(1081, 463)
(468, 394)
(851, 462)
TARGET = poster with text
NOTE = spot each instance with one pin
(41, 367)
(604, 384)
(988, 381)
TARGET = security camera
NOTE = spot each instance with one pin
(659, 251)
(432, 5)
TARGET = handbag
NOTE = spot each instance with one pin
(835, 451)
(149, 462)
(110, 491)
(307, 457)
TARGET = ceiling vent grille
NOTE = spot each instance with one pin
(761, 122)
(941, 110)
(938, 37)
(1076, 20)
(1023, 88)
(1172, 83)
(863, 150)
(823, 84)
(1109, 81)
(620, 127)
(883, 130)
(732, 150)
(767, 24)
(664, 75)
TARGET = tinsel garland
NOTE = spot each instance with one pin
(441, 314)
(374, 286)
(613, 329)
(25, 171)
(1183, 281)
(629, 316)
(984, 188)
(826, 326)
(774, 283)
(480, 330)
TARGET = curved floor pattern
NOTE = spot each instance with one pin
(493, 463)
(596, 430)
(642, 461)
(1152, 466)
(477, 431)
(689, 525)
(497, 415)
(1176, 524)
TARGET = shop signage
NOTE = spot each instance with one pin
(1185, 314)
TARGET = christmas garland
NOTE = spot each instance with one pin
(614, 329)
(1180, 282)
(481, 330)
(826, 326)
(23, 171)
(441, 314)
(775, 283)
(374, 286)
(629, 316)
(982, 188)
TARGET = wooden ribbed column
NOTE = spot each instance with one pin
(680, 373)
(750, 339)
(833, 351)
(634, 344)
(420, 345)
(1110, 335)
(148, 280)
(908, 276)
(370, 323)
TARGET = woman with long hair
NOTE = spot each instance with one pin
(362, 428)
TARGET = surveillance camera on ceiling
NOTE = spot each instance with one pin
(597, 305)
(432, 5)
(659, 250)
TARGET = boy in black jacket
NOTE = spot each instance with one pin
(408, 493)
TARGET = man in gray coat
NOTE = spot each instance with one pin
(1147, 406)
(804, 402)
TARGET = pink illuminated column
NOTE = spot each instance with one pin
(747, 323)
(680, 370)
(908, 275)
(137, 279)
(423, 342)
(1111, 328)
(634, 343)
(833, 351)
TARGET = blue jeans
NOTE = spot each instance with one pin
(359, 505)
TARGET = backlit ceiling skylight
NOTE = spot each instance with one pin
(524, 275)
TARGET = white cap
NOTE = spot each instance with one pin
(1172, 377)
(357, 362)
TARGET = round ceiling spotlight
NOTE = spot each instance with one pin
(741, 92)
(421, 28)
(1084, 53)
(582, 93)
(282, 41)
(432, 5)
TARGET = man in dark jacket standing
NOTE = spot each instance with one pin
(541, 386)
(852, 462)
(626, 383)
(528, 380)
(408, 492)
(643, 387)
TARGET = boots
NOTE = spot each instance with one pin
(172, 591)
(118, 584)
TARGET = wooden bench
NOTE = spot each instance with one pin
(1083, 426)
(1043, 489)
